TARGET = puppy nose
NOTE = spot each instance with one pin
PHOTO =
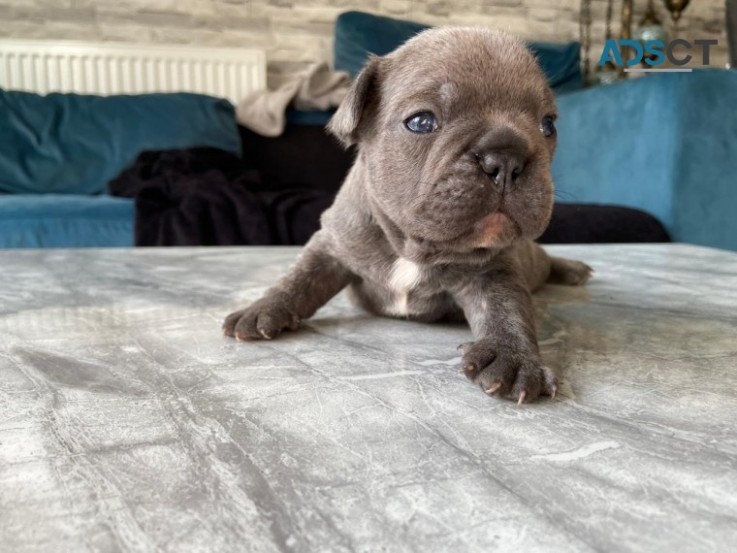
(503, 167)
(502, 154)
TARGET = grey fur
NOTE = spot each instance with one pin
(416, 230)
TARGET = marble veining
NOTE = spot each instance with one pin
(128, 423)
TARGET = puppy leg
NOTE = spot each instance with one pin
(568, 271)
(538, 267)
(504, 360)
(310, 283)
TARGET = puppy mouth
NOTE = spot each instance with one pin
(494, 230)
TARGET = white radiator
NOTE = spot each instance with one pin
(118, 68)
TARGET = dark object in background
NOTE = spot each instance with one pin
(601, 224)
(305, 156)
(207, 197)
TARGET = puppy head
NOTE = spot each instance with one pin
(456, 135)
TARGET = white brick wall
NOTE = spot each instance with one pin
(297, 32)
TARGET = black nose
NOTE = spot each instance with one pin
(503, 167)
(502, 154)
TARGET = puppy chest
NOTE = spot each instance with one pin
(409, 288)
(405, 275)
(403, 289)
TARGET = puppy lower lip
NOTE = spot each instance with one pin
(492, 227)
(494, 219)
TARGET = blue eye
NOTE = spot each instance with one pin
(423, 122)
(547, 126)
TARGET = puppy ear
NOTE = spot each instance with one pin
(350, 114)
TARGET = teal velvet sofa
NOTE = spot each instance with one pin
(665, 143)
(58, 153)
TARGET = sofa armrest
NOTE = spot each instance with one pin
(664, 143)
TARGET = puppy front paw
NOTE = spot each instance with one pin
(264, 319)
(504, 372)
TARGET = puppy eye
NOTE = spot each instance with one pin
(423, 122)
(547, 126)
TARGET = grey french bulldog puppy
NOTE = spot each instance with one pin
(437, 217)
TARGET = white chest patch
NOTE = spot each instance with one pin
(405, 275)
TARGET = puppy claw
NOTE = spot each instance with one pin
(522, 396)
(553, 392)
(494, 388)
(470, 368)
(463, 347)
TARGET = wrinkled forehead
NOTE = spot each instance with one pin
(467, 68)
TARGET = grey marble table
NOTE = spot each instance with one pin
(129, 423)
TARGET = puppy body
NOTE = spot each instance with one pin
(439, 223)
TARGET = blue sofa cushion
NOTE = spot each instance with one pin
(359, 34)
(74, 144)
(666, 144)
(64, 220)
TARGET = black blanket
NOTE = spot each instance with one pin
(206, 197)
